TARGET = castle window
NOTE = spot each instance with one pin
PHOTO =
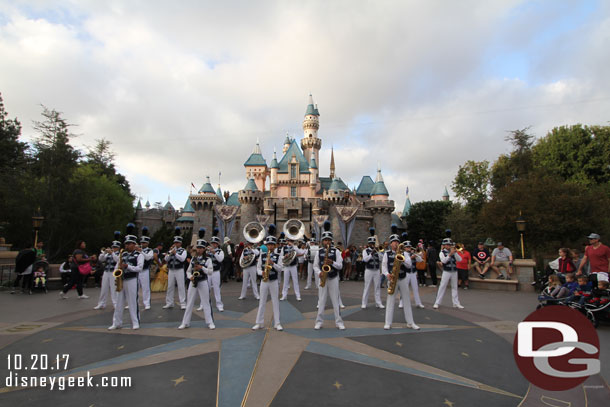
(293, 171)
(310, 135)
(293, 192)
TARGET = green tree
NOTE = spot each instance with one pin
(101, 158)
(557, 213)
(428, 220)
(466, 227)
(55, 161)
(471, 184)
(17, 208)
(576, 153)
(516, 165)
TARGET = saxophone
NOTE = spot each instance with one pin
(398, 259)
(326, 266)
(196, 275)
(268, 267)
(118, 273)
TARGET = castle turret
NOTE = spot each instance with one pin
(407, 207)
(445, 194)
(311, 144)
(313, 175)
(379, 191)
(275, 166)
(251, 200)
(332, 163)
(381, 207)
(203, 203)
(287, 143)
(256, 167)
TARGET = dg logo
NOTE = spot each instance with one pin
(556, 348)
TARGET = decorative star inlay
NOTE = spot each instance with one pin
(121, 347)
(466, 355)
(179, 380)
(479, 340)
(260, 375)
(47, 340)
(448, 403)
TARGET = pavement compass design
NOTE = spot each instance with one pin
(253, 366)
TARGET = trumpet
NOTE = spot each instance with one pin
(118, 274)
(398, 259)
(325, 267)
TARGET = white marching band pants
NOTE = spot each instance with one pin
(269, 287)
(412, 281)
(374, 276)
(144, 281)
(175, 276)
(107, 285)
(249, 275)
(291, 272)
(204, 294)
(403, 287)
(331, 289)
(128, 295)
(215, 280)
(448, 276)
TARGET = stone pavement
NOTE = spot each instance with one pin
(458, 358)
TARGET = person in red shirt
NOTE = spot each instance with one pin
(463, 266)
(598, 255)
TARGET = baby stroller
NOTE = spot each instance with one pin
(39, 276)
(545, 299)
(595, 309)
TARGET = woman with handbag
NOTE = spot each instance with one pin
(80, 267)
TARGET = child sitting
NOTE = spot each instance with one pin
(569, 287)
(601, 294)
(40, 277)
(554, 287)
(583, 292)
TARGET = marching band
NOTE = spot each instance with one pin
(128, 270)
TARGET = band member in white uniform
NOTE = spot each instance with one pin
(144, 276)
(372, 261)
(175, 259)
(249, 272)
(269, 287)
(110, 257)
(201, 265)
(412, 273)
(331, 288)
(312, 250)
(131, 264)
(290, 270)
(449, 258)
(217, 256)
(401, 285)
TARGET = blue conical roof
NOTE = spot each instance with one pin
(446, 193)
(274, 163)
(379, 187)
(139, 205)
(407, 207)
(311, 108)
(251, 185)
(188, 207)
(207, 187)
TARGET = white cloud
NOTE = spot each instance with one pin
(184, 90)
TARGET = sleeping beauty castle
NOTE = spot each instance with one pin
(290, 187)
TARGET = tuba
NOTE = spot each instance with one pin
(254, 232)
(118, 273)
(294, 229)
(398, 259)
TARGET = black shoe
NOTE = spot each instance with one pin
(482, 276)
(501, 277)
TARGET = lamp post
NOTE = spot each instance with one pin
(37, 220)
(521, 228)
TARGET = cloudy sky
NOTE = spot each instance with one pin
(184, 89)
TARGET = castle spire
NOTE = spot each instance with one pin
(332, 163)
